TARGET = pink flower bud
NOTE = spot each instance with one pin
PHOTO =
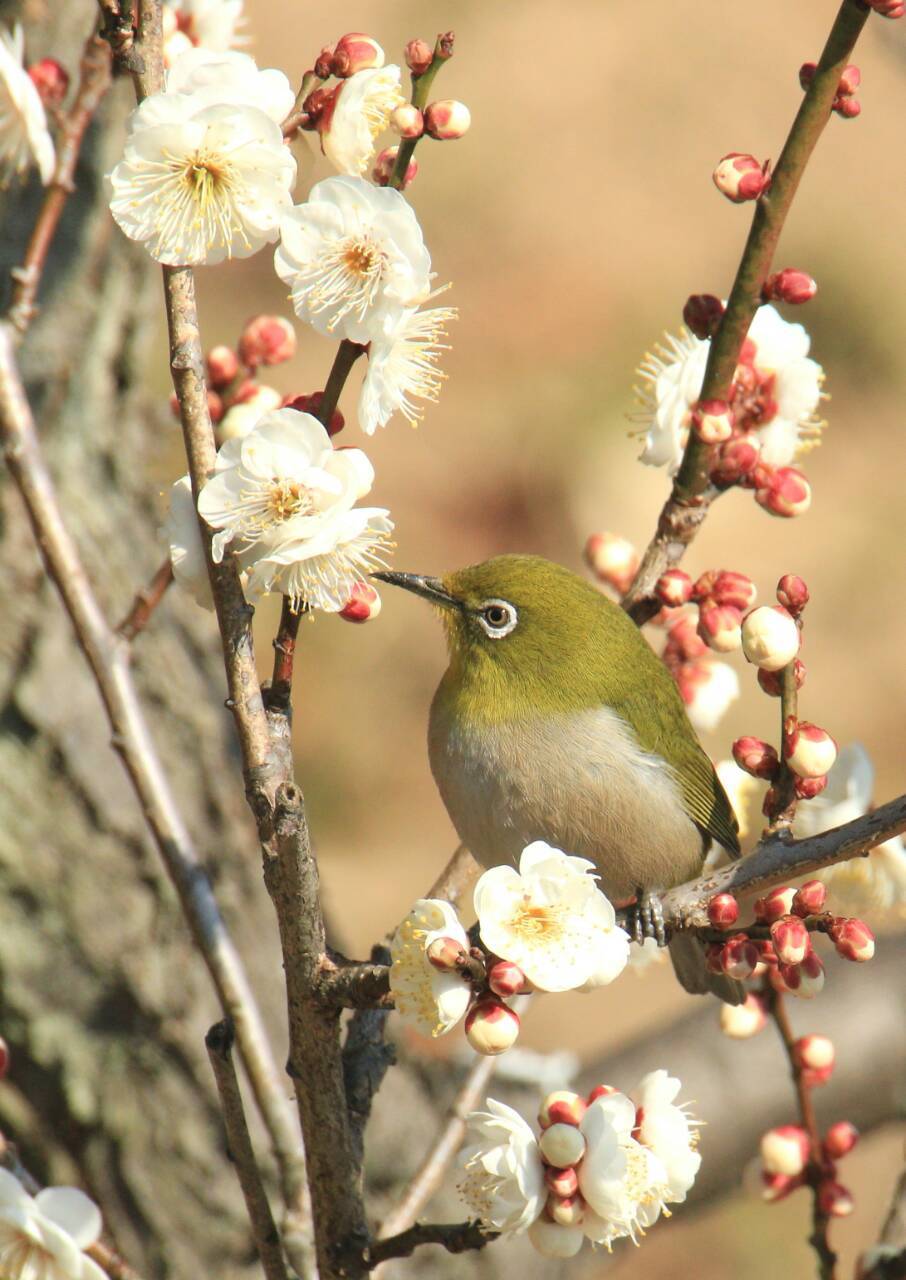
(683, 641)
(757, 757)
(506, 979)
(215, 407)
(553, 1241)
(835, 1200)
(674, 587)
(852, 938)
(600, 1091)
(847, 108)
(810, 898)
(770, 680)
(719, 626)
(312, 404)
(712, 421)
(735, 460)
(713, 957)
(792, 593)
(4, 1058)
(741, 177)
(785, 1150)
(777, 1186)
(741, 1021)
(888, 8)
(407, 121)
(849, 80)
(355, 52)
(791, 940)
(702, 314)
(789, 285)
(770, 637)
(221, 365)
(363, 605)
(267, 340)
(804, 980)
(840, 1139)
(738, 957)
(808, 788)
(810, 751)
(562, 1182)
(814, 1053)
(446, 954)
(384, 166)
(562, 1145)
(568, 1211)
(723, 911)
(612, 559)
(419, 57)
(562, 1107)
(51, 81)
(807, 73)
(735, 589)
(787, 494)
(775, 904)
(323, 67)
(447, 120)
(491, 1027)
(817, 1077)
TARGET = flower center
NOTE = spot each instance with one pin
(346, 278)
(537, 923)
(275, 501)
(196, 200)
(360, 257)
(752, 397)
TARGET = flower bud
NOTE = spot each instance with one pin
(834, 1199)
(787, 494)
(51, 80)
(741, 1021)
(323, 67)
(847, 108)
(267, 340)
(789, 285)
(808, 788)
(561, 1107)
(419, 57)
(684, 642)
(712, 421)
(553, 1241)
(852, 938)
(702, 314)
(723, 911)
(719, 626)
(506, 979)
(777, 1186)
(312, 404)
(888, 8)
(738, 957)
(407, 121)
(757, 757)
(770, 637)
(568, 1211)
(355, 52)
(612, 559)
(791, 940)
(809, 750)
(674, 587)
(491, 1027)
(600, 1091)
(741, 177)
(785, 1150)
(221, 367)
(814, 1053)
(215, 407)
(810, 898)
(258, 395)
(713, 954)
(840, 1140)
(4, 1058)
(807, 73)
(804, 980)
(562, 1145)
(562, 1182)
(792, 593)
(770, 680)
(775, 904)
(384, 166)
(735, 589)
(445, 953)
(363, 605)
(238, 421)
(447, 120)
(736, 459)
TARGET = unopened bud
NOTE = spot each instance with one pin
(835, 1200)
(562, 1145)
(552, 1240)
(386, 163)
(787, 493)
(792, 593)
(491, 1027)
(612, 559)
(267, 340)
(791, 940)
(770, 680)
(568, 1211)
(807, 73)
(814, 1053)
(740, 177)
(777, 1186)
(732, 588)
(562, 1182)
(506, 979)
(849, 80)
(808, 788)
(702, 314)
(740, 1021)
(840, 1139)
(757, 757)
(363, 605)
(600, 1091)
(719, 627)
(775, 904)
(4, 1058)
(723, 911)
(51, 80)
(216, 407)
(712, 421)
(561, 1107)
(789, 285)
(852, 938)
(312, 404)
(407, 121)
(738, 957)
(804, 980)
(847, 108)
(713, 954)
(809, 750)
(674, 587)
(684, 641)
(258, 394)
(770, 637)
(810, 898)
(323, 67)
(355, 52)
(736, 459)
(888, 8)
(221, 366)
(447, 120)
(419, 57)
(785, 1150)
(445, 954)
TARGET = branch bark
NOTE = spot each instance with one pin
(455, 1237)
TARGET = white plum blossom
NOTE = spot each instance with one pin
(402, 366)
(501, 1171)
(875, 884)
(776, 392)
(205, 173)
(353, 256)
(286, 498)
(551, 920)
(430, 999)
(358, 114)
(708, 688)
(209, 24)
(741, 789)
(667, 1131)
(186, 551)
(623, 1182)
(24, 136)
(42, 1237)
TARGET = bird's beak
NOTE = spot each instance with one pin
(429, 588)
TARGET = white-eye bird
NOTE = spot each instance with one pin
(556, 721)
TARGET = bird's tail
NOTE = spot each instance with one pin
(688, 956)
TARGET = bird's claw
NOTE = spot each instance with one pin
(646, 918)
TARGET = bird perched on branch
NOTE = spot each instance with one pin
(556, 721)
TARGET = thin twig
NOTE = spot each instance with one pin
(421, 88)
(783, 809)
(692, 493)
(352, 985)
(219, 1044)
(347, 354)
(280, 691)
(455, 1237)
(298, 116)
(146, 601)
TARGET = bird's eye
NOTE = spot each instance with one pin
(497, 618)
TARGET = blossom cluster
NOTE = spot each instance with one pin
(786, 1152)
(603, 1168)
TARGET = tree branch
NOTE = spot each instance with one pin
(146, 601)
(455, 1237)
(366, 1060)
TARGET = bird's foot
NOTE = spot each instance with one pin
(646, 918)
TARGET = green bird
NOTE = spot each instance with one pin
(556, 721)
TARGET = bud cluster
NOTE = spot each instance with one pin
(562, 1146)
(612, 559)
(845, 103)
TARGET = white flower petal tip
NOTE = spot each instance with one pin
(402, 367)
(551, 920)
(358, 114)
(501, 1172)
(45, 1235)
(431, 999)
(25, 140)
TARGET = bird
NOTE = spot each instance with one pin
(555, 720)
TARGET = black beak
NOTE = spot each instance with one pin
(429, 588)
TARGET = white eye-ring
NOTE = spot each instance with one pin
(497, 618)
